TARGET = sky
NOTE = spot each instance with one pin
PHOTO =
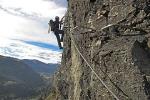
(24, 27)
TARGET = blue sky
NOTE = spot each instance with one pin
(43, 45)
(26, 22)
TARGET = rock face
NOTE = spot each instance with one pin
(113, 37)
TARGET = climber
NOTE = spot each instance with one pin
(55, 26)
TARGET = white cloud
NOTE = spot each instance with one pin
(14, 27)
(40, 7)
(27, 20)
(18, 49)
(33, 24)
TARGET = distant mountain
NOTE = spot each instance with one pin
(18, 79)
(41, 67)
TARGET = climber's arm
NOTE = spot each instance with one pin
(61, 21)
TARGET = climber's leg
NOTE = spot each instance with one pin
(61, 32)
(58, 39)
(62, 35)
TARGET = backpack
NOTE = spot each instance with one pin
(52, 25)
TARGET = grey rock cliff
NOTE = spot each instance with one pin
(113, 36)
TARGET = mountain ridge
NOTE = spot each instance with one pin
(18, 79)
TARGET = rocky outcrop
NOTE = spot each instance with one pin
(113, 36)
